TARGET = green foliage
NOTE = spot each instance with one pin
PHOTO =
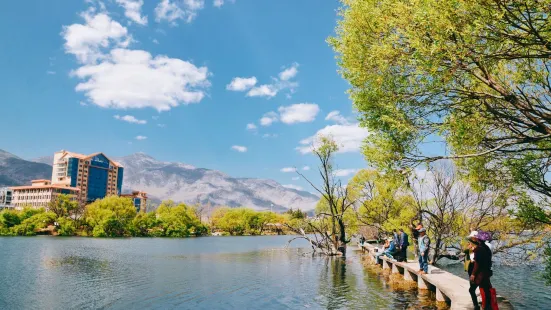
(32, 220)
(383, 200)
(547, 272)
(110, 217)
(475, 74)
(244, 221)
(179, 221)
(66, 227)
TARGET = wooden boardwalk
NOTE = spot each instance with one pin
(449, 288)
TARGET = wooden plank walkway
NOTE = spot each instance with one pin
(449, 288)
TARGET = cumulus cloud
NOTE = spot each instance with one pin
(269, 135)
(336, 117)
(292, 186)
(288, 169)
(345, 172)
(133, 10)
(349, 138)
(239, 148)
(241, 84)
(269, 90)
(251, 126)
(306, 168)
(171, 11)
(263, 91)
(130, 119)
(218, 3)
(86, 41)
(295, 178)
(289, 73)
(136, 79)
(269, 118)
(298, 113)
(141, 138)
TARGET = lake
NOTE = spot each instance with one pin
(195, 273)
(198, 273)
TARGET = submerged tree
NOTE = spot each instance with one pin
(330, 223)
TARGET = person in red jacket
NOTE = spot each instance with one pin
(481, 272)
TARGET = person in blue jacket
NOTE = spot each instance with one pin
(403, 247)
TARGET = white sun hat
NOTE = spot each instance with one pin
(474, 234)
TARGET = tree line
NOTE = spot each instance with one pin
(117, 217)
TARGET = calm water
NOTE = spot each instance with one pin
(198, 273)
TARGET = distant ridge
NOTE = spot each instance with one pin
(186, 183)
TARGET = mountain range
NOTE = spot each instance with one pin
(176, 181)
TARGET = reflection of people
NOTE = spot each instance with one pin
(424, 246)
(480, 272)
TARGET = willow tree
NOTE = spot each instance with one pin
(382, 201)
(473, 74)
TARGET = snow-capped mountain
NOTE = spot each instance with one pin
(182, 182)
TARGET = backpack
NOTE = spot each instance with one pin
(484, 236)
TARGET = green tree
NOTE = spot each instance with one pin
(110, 216)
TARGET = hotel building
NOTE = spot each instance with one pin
(39, 194)
(95, 175)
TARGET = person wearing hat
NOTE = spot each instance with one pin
(424, 247)
(479, 269)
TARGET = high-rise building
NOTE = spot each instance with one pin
(95, 175)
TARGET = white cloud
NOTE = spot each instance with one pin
(336, 117)
(130, 119)
(134, 79)
(155, 41)
(173, 10)
(251, 126)
(289, 73)
(82, 103)
(306, 168)
(295, 178)
(266, 90)
(141, 137)
(155, 117)
(263, 91)
(51, 72)
(292, 186)
(239, 148)
(126, 78)
(269, 135)
(241, 84)
(86, 41)
(269, 118)
(161, 125)
(288, 169)
(349, 138)
(132, 10)
(218, 3)
(298, 113)
(345, 172)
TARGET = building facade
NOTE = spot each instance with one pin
(39, 194)
(5, 198)
(139, 199)
(95, 175)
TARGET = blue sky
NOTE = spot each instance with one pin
(185, 76)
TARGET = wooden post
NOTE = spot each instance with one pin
(386, 265)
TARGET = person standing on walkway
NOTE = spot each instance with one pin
(424, 246)
(404, 243)
(415, 236)
(481, 272)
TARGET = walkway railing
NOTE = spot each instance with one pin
(449, 288)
